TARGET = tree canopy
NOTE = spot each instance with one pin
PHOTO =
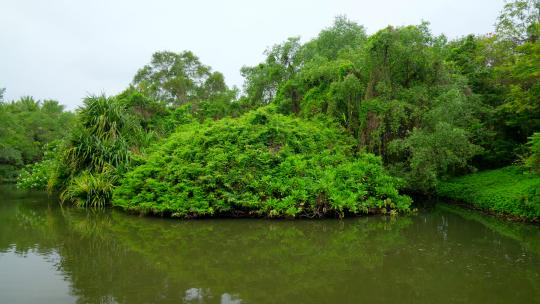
(26, 126)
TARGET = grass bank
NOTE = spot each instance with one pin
(507, 191)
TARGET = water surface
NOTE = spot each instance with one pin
(50, 254)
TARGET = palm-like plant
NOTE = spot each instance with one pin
(98, 150)
(89, 189)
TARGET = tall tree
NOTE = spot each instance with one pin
(516, 19)
(178, 78)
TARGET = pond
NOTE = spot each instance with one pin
(442, 254)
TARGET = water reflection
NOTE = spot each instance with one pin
(110, 257)
(204, 295)
(36, 273)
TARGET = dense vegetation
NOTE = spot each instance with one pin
(26, 126)
(260, 164)
(507, 191)
(179, 141)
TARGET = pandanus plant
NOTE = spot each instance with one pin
(98, 150)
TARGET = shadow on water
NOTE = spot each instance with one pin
(439, 255)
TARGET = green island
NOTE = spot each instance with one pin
(347, 123)
(396, 164)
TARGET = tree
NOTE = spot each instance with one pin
(522, 103)
(262, 81)
(347, 95)
(27, 126)
(395, 85)
(501, 69)
(178, 78)
(516, 19)
(344, 35)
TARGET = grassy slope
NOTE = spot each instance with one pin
(505, 191)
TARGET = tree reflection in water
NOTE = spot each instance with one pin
(111, 257)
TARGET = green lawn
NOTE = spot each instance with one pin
(505, 191)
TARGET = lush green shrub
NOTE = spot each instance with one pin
(507, 191)
(36, 176)
(262, 164)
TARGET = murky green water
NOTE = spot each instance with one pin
(50, 254)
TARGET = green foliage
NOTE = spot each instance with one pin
(111, 132)
(391, 89)
(515, 21)
(176, 79)
(108, 134)
(533, 161)
(433, 155)
(521, 109)
(263, 80)
(502, 68)
(342, 37)
(103, 136)
(507, 191)
(38, 175)
(429, 108)
(261, 164)
(90, 189)
(179, 78)
(26, 126)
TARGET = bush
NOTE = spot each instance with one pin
(262, 164)
(36, 176)
(507, 191)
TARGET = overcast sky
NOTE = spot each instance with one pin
(65, 50)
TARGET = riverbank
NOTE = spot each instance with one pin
(506, 192)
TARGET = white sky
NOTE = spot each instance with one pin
(65, 50)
